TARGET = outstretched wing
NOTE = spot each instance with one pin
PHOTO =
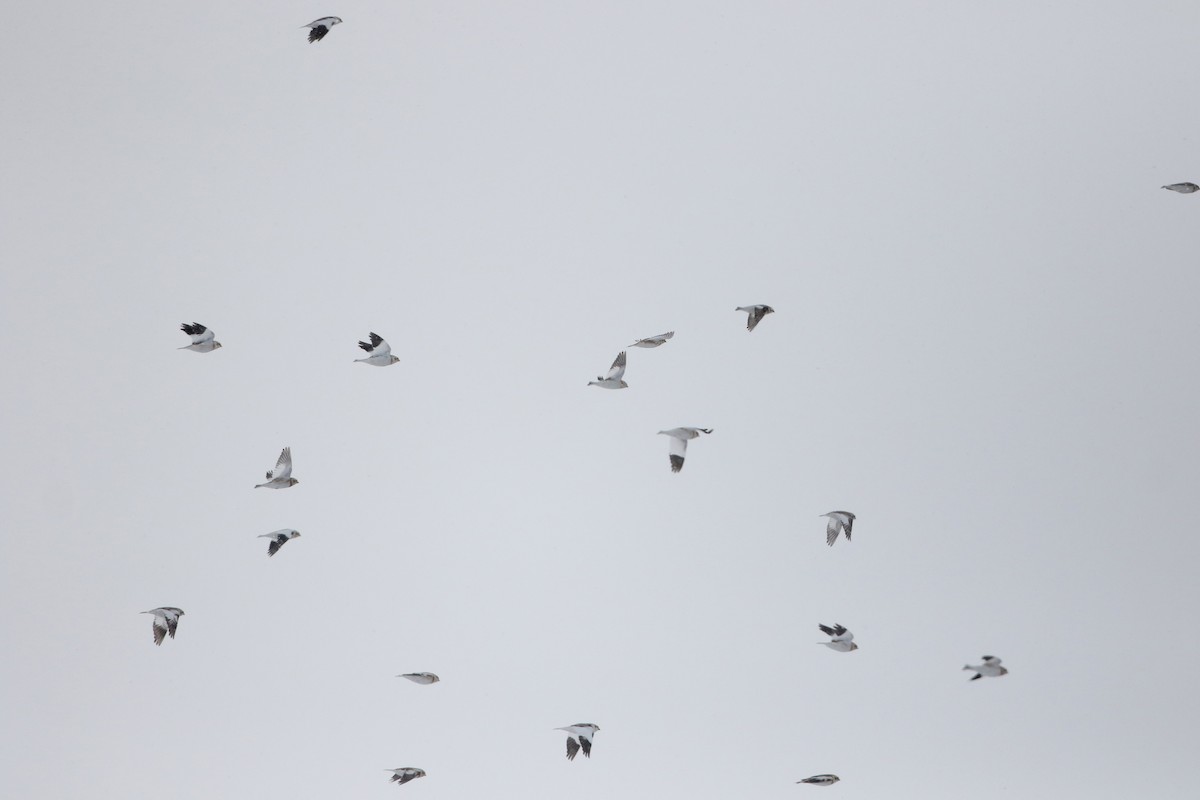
(755, 317)
(617, 370)
(317, 33)
(159, 626)
(377, 346)
(677, 453)
(572, 748)
(586, 743)
(198, 332)
(991, 661)
(831, 530)
(283, 467)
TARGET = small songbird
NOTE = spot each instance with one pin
(821, 780)
(278, 539)
(1182, 188)
(613, 379)
(423, 678)
(581, 735)
(379, 352)
(990, 668)
(281, 476)
(842, 641)
(679, 440)
(756, 314)
(320, 27)
(653, 341)
(202, 338)
(403, 775)
(166, 620)
(839, 522)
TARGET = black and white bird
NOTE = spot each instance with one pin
(613, 379)
(839, 522)
(1182, 188)
(278, 539)
(842, 640)
(319, 27)
(166, 620)
(580, 737)
(202, 338)
(990, 668)
(423, 678)
(654, 341)
(379, 352)
(405, 774)
(756, 314)
(821, 780)
(679, 440)
(281, 476)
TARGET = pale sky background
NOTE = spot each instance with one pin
(984, 346)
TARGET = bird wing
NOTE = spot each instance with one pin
(405, 776)
(317, 33)
(825, 629)
(586, 744)
(831, 530)
(843, 635)
(377, 346)
(172, 622)
(159, 626)
(617, 370)
(572, 748)
(658, 339)
(678, 452)
(991, 661)
(198, 332)
(755, 316)
(275, 544)
(283, 467)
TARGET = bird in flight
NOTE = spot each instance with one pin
(405, 774)
(202, 338)
(423, 678)
(653, 341)
(379, 352)
(821, 780)
(319, 27)
(166, 620)
(580, 737)
(842, 640)
(839, 522)
(756, 314)
(278, 539)
(1182, 188)
(990, 668)
(281, 476)
(679, 440)
(613, 379)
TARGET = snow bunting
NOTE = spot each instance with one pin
(653, 341)
(842, 641)
(821, 780)
(379, 352)
(405, 774)
(278, 539)
(581, 735)
(166, 620)
(756, 314)
(839, 522)
(202, 338)
(423, 678)
(281, 476)
(320, 27)
(679, 440)
(613, 379)
(1182, 188)
(990, 668)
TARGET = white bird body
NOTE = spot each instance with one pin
(319, 27)
(839, 522)
(679, 440)
(379, 352)
(613, 379)
(278, 539)
(821, 780)
(990, 668)
(423, 678)
(580, 737)
(402, 775)
(1182, 188)
(202, 338)
(654, 341)
(842, 640)
(281, 476)
(755, 314)
(166, 620)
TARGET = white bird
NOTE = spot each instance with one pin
(653, 341)
(990, 668)
(281, 476)
(403, 775)
(278, 539)
(166, 620)
(756, 314)
(842, 641)
(839, 522)
(1182, 188)
(581, 735)
(379, 352)
(821, 780)
(202, 338)
(320, 27)
(613, 379)
(423, 678)
(679, 440)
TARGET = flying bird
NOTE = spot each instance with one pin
(202, 338)
(1182, 188)
(320, 27)
(653, 341)
(821, 780)
(756, 314)
(405, 774)
(581, 736)
(281, 476)
(423, 678)
(379, 352)
(166, 620)
(990, 668)
(278, 539)
(839, 522)
(842, 641)
(613, 379)
(679, 440)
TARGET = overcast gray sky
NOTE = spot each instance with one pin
(984, 345)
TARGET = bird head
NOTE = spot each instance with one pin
(853, 646)
(216, 345)
(293, 481)
(624, 385)
(294, 535)
(394, 359)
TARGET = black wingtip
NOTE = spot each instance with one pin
(676, 463)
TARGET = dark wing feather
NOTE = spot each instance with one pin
(172, 624)
(572, 748)
(275, 544)
(676, 463)
(587, 745)
(977, 676)
(159, 634)
(825, 629)
(317, 34)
